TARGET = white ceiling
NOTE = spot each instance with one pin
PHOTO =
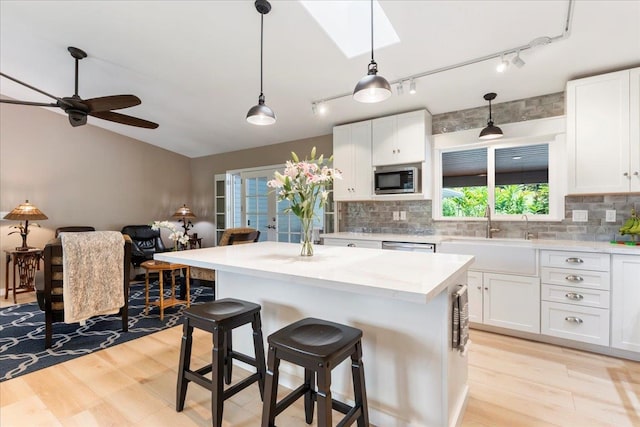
(195, 64)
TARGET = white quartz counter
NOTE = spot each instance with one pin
(414, 277)
(561, 245)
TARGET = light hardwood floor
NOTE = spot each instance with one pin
(513, 382)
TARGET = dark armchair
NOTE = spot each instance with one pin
(146, 242)
(51, 296)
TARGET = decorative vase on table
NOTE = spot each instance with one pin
(305, 185)
(306, 236)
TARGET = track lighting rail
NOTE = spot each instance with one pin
(539, 41)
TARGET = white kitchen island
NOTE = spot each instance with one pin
(400, 300)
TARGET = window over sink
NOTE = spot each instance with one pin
(513, 179)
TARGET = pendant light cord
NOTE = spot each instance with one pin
(372, 31)
(261, 47)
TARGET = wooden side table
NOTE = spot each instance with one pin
(160, 267)
(26, 263)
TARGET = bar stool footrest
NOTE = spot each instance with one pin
(291, 398)
(241, 385)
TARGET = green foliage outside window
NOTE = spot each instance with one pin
(509, 200)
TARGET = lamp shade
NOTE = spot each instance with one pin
(183, 212)
(25, 212)
(491, 132)
(261, 114)
(372, 88)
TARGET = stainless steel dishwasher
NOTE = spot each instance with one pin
(409, 246)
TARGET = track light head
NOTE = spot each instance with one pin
(412, 87)
(517, 61)
(503, 65)
(400, 88)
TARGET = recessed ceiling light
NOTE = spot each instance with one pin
(348, 24)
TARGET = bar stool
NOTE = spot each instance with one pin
(318, 346)
(220, 318)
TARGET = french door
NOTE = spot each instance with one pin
(255, 205)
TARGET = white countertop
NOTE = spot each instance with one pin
(568, 245)
(409, 276)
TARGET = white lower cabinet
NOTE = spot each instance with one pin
(575, 296)
(625, 302)
(504, 300)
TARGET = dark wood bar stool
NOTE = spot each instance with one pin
(220, 318)
(318, 346)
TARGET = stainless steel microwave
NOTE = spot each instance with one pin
(396, 180)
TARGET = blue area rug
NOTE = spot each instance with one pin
(22, 331)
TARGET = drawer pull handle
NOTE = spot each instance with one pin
(574, 278)
(574, 296)
(351, 245)
(573, 319)
(574, 260)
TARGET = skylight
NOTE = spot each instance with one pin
(348, 24)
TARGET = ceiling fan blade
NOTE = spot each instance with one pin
(124, 119)
(38, 104)
(36, 89)
(115, 102)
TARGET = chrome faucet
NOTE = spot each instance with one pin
(527, 235)
(490, 230)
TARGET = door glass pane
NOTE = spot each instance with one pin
(464, 183)
(522, 180)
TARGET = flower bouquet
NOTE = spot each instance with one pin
(304, 184)
(176, 236)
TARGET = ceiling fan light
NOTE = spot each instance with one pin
(261, 114)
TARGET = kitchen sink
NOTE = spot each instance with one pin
(516, 256)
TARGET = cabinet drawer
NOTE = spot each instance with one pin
(575, 296)
(371, 244)
(578, 278)
(575, 260)
(586, 324)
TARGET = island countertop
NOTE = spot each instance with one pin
(408, 276)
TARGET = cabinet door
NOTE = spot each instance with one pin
(399, 139)
(625, 302)
(342, 160)
(512, 302)
(411, 137)
(383, 137)
(474, 286)
(362, 170)
(598, 133)
(634, 151)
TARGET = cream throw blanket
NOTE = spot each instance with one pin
(93, 273)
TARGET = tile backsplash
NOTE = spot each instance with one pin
(377, 217)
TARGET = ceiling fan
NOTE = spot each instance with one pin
(78, 109)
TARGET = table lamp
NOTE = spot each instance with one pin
(185, 215)
(24, 212)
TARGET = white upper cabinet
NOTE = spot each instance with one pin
(603, 137)
(401, 138)
(352, 156)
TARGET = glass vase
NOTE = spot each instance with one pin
(306, 237)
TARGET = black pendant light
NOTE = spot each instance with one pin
(491, 131)
(261, 114)
(372, 87)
